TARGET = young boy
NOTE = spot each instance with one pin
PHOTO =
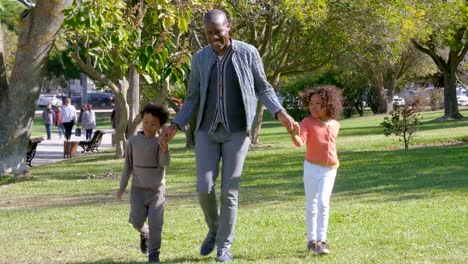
(145, 158)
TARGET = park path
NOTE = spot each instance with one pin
(51, 151)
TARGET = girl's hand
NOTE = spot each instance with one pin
(295, 129)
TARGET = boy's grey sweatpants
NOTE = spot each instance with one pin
(148, 203)
(232, 149)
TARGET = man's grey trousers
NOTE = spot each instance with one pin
(231, 149)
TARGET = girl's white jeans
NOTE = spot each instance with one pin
(318, 185)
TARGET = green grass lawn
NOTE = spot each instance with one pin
(388, 205)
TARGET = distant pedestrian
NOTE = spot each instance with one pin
(145, 159)
(59, 122)
(113, 119)
(88, 121)
(48, 117)
(319, 132)
(83, 109)
(68, 116)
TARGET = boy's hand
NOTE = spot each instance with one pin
(164, 146)
(119, 194)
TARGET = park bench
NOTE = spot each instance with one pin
(93, 144)
(32, 146)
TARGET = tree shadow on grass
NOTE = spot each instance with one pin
(58, 201)
(403, 174)
(163, 260)
(361, 131)
(271, 178)
(6, 180)
(443, 124)
(109, 261)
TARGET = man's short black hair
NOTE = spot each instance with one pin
(213, 14)
(158, 110)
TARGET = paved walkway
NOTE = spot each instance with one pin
(50, 151)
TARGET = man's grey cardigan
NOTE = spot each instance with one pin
(252, 81)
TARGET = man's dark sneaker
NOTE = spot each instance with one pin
(153, 258)
(208, 244)
(223, 256)
(311, 245)
(144, 244)
(321, 247)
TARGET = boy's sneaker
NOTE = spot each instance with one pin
(153, 258)
(223, 256)
(321, 248)
(311, 245)
(144, 244)
(208, 244)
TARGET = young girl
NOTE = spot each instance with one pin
(318, 132)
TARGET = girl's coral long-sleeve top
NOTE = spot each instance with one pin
(320, 139)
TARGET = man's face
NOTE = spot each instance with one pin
(217, 34)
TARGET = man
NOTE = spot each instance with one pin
(225, 83)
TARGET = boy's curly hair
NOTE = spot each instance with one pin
(158, 110)
(332, 99)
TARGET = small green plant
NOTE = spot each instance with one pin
(403, 122)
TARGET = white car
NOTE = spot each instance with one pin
(398, 100)
(44, 99)
(462, 100)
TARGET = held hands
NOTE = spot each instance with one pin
(167, 133)
(295, 130)
(288, 122)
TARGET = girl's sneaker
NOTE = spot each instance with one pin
(321, 247)
(311, 245)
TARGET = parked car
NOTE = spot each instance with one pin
(398, 100)
(45, 99)
(100, 99)
(462, 100)
(96, 99)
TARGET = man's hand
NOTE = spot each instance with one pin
(286, 120)
(295, 130)
(119, 194)
(168, 132)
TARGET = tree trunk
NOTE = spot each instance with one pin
(257, 124)
(391, 86)
(448, 69)
(450, 95)
(38, 31)
(379, 82)
(3, 77)
(122, 117)
(134, 101)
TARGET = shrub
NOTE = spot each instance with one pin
(403, 121)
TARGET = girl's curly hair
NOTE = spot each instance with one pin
(332, 99)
